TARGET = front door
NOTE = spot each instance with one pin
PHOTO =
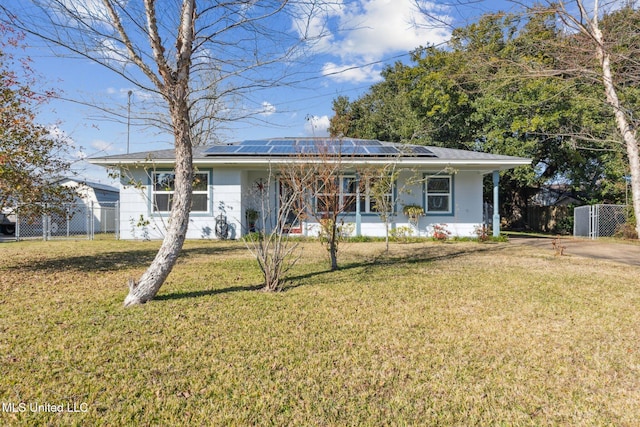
(290, 209)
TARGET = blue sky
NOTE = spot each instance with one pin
(363, 36)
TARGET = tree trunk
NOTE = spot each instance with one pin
(175, 89)
(152, 279)
(628, 133)
(333, 245)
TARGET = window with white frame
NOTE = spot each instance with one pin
(438, 194)
(163, 188)
(377, 196)
(337, 194)
(347, 191)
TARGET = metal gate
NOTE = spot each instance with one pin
(599, 220)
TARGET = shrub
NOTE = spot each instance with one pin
(401, 234)
(440, 232)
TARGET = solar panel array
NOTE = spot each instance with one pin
(288, 147)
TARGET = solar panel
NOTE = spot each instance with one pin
(382, 150)
(254, 142)
(253, 149)
(366, 142)
(282, 149)
(281, 141)
(318, 146)
(222, 149)
(308, 142)
(353, 151)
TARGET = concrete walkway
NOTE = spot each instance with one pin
(625, 253)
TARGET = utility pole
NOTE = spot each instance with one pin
(128, 118)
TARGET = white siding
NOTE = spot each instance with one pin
(231, 193)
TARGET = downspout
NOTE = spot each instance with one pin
(496, 201)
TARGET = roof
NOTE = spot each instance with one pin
(350, 150)
(91, 184)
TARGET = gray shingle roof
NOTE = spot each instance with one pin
(235, 151)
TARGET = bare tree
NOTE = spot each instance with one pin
(379, 186)
(331, 186)
(184, 56)
(276, 202)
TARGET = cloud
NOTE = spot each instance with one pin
(267, 109)
(359, 33)
(317, 126)
(101, 146)
(56, 133)
(352, 72)
(92, 11)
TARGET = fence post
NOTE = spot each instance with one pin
(45, 223)
(117, 219)
(17, 222)
(92, 220)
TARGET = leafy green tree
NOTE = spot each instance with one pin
(31, 156)
(477, 93)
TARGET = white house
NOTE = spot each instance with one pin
(446, 183)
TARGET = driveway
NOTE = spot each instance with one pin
(625, 253)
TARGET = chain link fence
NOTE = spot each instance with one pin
(599, 220)
(67, 221)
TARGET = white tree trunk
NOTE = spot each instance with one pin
(174, 88)
(629, 134)
(153, 278)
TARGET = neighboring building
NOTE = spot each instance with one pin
(555, 195)
(96, 206)
(449, 188)
(91, 192)
(93, 210)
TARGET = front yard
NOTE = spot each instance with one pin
(430, 334)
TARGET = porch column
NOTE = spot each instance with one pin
(496, 204)
(358, 216)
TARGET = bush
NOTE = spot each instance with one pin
(627, 231)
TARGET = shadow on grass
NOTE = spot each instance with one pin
(112, 261)
(204, 293)
(425, 254)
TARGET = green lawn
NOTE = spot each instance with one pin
(431, 334)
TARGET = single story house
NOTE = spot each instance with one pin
(445, 184)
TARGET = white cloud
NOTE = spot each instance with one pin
(92, 11)
(101, 146)
(60, 135)
(80, 154)
(267, 109)
(317, 126)
(352, 72)
(361, 32)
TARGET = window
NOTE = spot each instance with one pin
(438, 194)
(368, 202)
(349, 193)
(346, 192)
(337, 194)
(164, 187)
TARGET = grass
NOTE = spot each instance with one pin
(431, 334)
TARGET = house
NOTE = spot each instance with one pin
(96, 206)
(91, 192)
(94, 209)
(446, 183)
